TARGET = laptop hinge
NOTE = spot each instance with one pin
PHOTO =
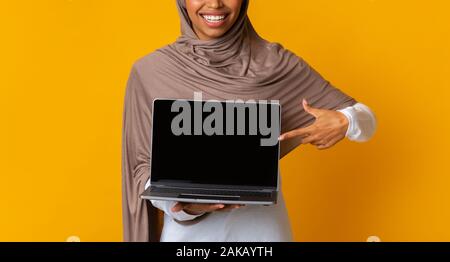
(214, 188)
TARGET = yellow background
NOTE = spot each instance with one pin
(63, 69)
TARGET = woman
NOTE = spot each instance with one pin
(220, 55)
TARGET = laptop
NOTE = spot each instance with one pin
(215, 152)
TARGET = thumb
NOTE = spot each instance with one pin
(177, 207)
(309, 109)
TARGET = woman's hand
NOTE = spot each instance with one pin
(329, 128)
(197, 209)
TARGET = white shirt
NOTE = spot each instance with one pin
(251, 223)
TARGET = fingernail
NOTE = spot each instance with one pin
(280, 138)
(221, 206)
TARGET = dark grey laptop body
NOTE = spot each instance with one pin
(229, 168)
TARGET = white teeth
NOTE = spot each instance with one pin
(214, 18)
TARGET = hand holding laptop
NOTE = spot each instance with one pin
(197, 209)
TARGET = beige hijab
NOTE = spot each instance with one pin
(238, 65)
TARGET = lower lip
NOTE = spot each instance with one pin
(215, 24)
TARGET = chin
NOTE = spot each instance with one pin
(215, 34)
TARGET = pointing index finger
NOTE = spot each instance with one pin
(305, 131)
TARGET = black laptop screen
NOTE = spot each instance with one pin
(191, 152)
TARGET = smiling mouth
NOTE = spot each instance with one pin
(214, 20)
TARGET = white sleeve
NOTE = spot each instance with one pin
(362, 122)
(166, 206)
